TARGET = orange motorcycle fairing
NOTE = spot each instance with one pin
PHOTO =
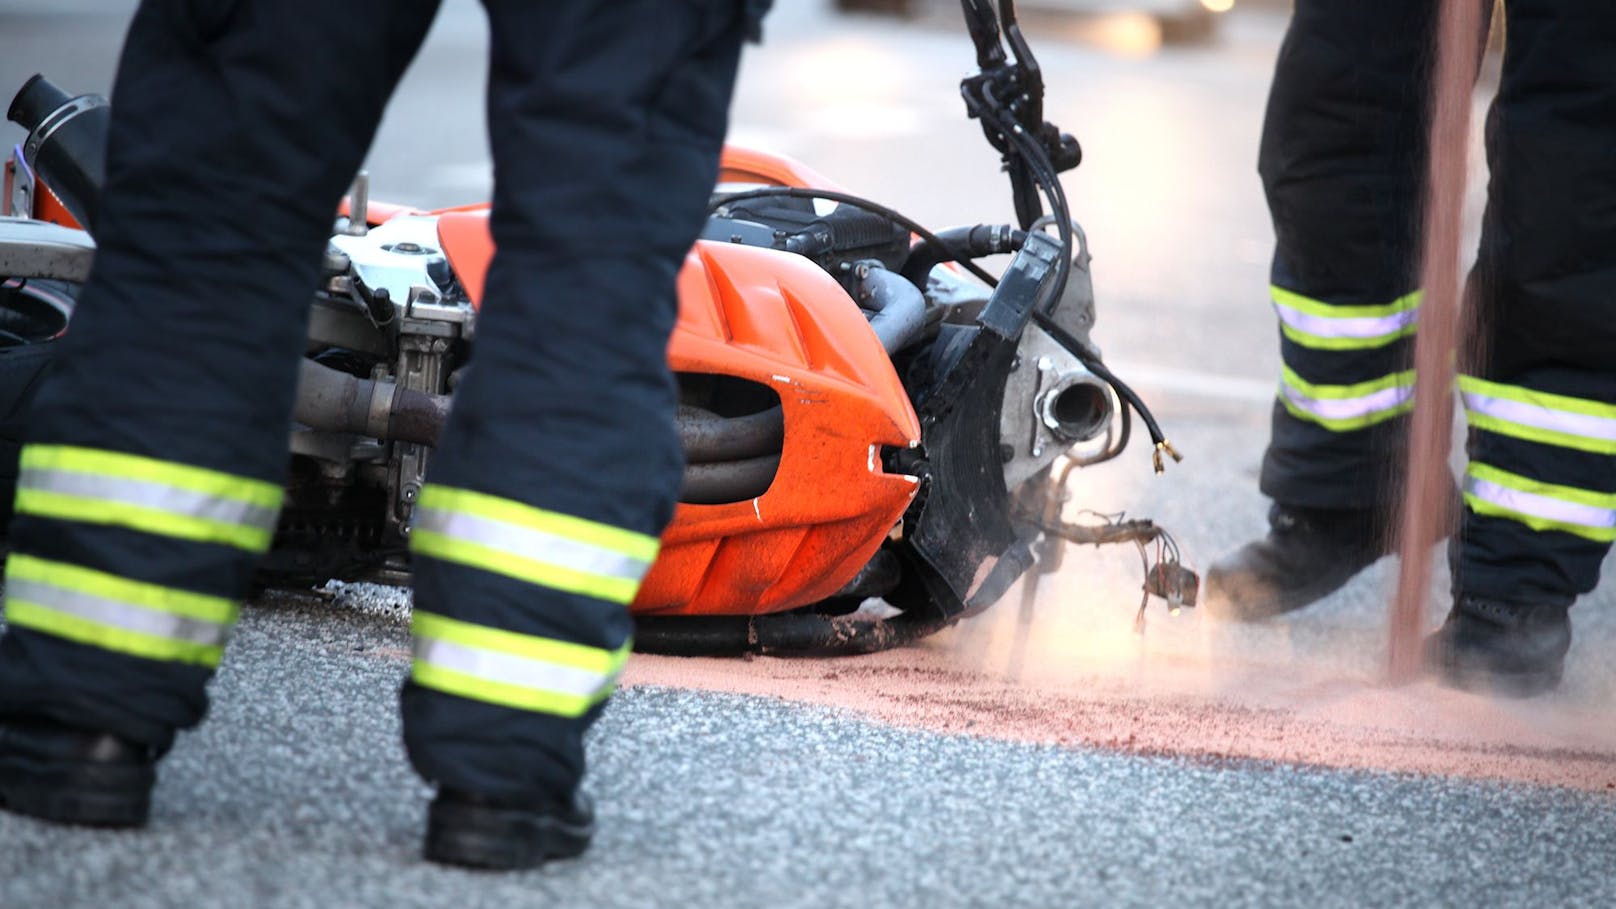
(746, 166)
(779, 320)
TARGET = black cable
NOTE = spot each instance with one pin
(1044, 177)
(1065, 339)
(796, 192)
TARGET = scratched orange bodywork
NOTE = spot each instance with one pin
(778, 320)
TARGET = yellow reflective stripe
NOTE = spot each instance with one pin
(23, 614)
(94, 486)
(523, 671)
(135, 467)
(1542, 399)
(1347, 424)
(1321, 342)
(184, 603)
(1310, 306)
(562, 653)
(616, 539)
(487, 558)
(504, 694)
(1345, 408)
(1539, 435)
(60, 506)
(1319, 325)
(1540, 506)
(1403, 379)
(1537, 487)
(1537, 522)
(1538, 416)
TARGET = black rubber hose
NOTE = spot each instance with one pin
(960, 243)
(782, 634)
(708, 437)
(728, 481)
(900, 308)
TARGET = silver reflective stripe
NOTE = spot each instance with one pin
(149, 494)
(1534, 505)
(1348, 327)
(1537, 416)
(533, 545)
(118, 614)
(1337, 409)
(511, 669)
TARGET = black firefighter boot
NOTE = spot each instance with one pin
(74, 776)
(1308, 554)
(475, 832)
(1513, 649)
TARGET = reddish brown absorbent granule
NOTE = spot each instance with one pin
(1188, 688)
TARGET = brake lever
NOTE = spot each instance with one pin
(983, 25)
(1017, 84)
(1029, 77)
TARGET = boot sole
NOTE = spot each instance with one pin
(502, 839)
(90, 795)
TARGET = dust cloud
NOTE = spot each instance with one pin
(1307, 690)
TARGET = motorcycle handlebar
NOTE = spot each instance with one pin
(35, 101)
(982, 20)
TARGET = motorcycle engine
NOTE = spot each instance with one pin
(389, 311)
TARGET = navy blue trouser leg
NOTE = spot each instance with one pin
(560, 465)
(152, 470)
(1541, 401)
(1342, 163)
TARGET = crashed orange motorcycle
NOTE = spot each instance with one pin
(877, 430)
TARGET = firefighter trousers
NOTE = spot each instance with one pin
(152, 472)
(1343, 163)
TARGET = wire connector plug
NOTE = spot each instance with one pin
(1164, 447)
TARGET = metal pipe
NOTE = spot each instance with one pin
(334, 401)
(1077, 408)
(899, 306)
(416, 416)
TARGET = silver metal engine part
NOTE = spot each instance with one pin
(21, 203)
(401, 256)
(1051, 402)
(404, 258)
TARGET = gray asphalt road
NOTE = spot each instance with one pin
(296, 792)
